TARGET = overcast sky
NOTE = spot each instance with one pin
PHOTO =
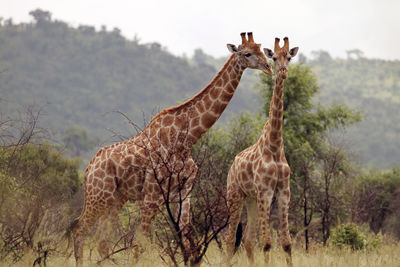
(372, 26)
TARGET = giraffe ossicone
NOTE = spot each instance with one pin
(158, 158)
(261, 170)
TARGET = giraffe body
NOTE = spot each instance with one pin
(261, 171)
(158, 158)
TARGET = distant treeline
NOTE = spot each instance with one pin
(80, 75)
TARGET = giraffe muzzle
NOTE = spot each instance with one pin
(267, 69)
(283, 72)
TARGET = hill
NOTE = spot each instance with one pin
(79, 75)
(373, 87)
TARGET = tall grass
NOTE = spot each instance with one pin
(386, 255)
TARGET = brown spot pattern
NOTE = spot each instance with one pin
(214, 93)
(208, 120)
(167, 121)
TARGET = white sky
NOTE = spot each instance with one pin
(372, 26)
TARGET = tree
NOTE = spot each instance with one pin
(321, 56)
(40, 16)
(377, 201)
(334, 169)
(77, 140)
(35, 184)
(305, 128)
(354, 53)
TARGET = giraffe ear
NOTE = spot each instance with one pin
(293, 51)
(268, 52)
(232, 48)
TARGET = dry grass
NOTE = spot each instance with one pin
(332, 257)
(387, 255)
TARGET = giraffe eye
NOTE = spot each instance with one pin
(274, 58)
(289, 59)
(247, 54)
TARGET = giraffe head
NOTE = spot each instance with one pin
(281, 56)
(250, 55)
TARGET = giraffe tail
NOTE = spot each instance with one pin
(68, 231)
(239, 235)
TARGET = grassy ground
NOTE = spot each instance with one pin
(387, 255)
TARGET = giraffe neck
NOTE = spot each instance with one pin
(214, 98)
(273, 133)
(198, 114)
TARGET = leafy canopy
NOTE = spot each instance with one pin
(305, 123)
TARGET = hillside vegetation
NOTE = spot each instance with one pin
(80, 75)
(373, 87)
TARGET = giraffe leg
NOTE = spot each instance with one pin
(264, 200)
(251, 229)
(87, 219)
(107, 222)
(148, 210)
(235, 204)
(185, 220)
(191, 172)
(102, 228)
(283, 199)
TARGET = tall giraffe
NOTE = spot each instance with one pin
(262, 170)
(132, 169)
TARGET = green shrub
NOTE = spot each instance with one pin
(36, 187)
(349, 235)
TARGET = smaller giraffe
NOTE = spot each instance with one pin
(261, 170)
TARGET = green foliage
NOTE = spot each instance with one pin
(378, 200)
(35, 184)
(244, 130)
(39, 167)
(224, 142)
(77, 140)
(215, 152)
(371, 86)
(305, 124)
(349, 235)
